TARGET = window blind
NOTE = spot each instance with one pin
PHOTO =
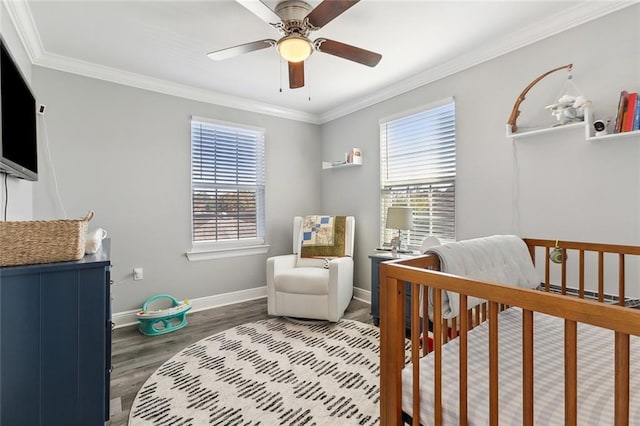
(418, 170)
(227, 178)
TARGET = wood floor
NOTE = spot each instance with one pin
(136, 356)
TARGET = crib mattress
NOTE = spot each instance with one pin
(595, 375)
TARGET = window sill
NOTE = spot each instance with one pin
(208, 254)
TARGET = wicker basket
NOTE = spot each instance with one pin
(42, 241)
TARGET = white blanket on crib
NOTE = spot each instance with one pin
(502, 259)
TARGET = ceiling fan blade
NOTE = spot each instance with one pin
(327, 11)
(230, 52)
(347, 51)
(261, 10)
(296, 74)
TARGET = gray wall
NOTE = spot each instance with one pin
(556, 186)
(124, 152)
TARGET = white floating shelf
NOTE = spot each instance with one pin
(617, 136)
(332, 165)
(590, 132)
(544, 130)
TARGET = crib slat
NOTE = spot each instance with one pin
(415, 349)
(454, 327)
(527, 368)
(622, 379)
(570, 373)
(547, 268)
(621, 294)
(463, 361)
(581, 276)
(600, 276)
(425, 320)
(437, 364)
(563, 272)
(493, 363)
(445, 328)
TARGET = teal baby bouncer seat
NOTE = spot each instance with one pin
(153, 322)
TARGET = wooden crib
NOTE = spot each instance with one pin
(583, 262)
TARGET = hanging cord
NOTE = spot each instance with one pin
(307, 69)
(515, 180)
(280, 79)
(6, 196)
(570, 87)
(53, 169)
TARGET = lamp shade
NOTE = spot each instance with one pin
(294, 48)
(399, 218)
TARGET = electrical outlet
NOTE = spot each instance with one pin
(138, 274)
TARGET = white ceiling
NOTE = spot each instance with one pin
(162, 45)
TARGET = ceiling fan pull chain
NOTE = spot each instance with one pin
(308, 69)
(280, 79)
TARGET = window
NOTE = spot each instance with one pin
(227, 181)
(418, 170)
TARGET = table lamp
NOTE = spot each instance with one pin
(400, 218)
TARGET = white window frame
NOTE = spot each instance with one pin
(212, 249)
(443, 175)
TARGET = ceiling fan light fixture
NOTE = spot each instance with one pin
(294, 48)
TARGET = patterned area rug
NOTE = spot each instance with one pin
(271, 372)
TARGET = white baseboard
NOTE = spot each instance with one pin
(122, 319)
(362, 295)
(126, 318)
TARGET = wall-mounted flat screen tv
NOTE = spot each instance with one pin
(18, 138)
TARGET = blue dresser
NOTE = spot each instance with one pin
(376, 259)
(55, 342)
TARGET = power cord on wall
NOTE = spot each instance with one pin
(515, 182)
(53, 169)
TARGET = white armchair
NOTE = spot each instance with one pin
(305, 287)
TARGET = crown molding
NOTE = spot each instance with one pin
(22, 20)
(140, 81)
(583, 12)
(580, 14)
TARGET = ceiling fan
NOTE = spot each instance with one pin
(295, 19)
